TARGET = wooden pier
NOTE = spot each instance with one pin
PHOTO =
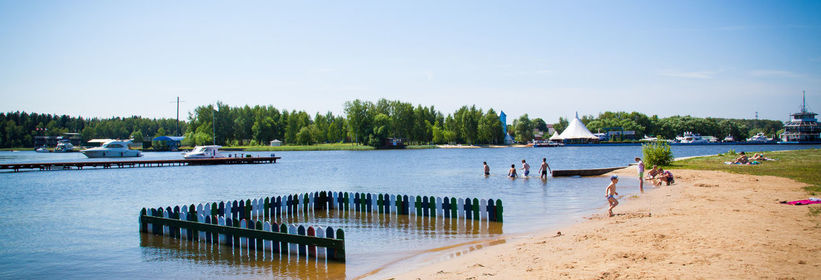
(135, 163)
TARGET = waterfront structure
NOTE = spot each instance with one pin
(503, 119)
(577, 132)
(802, 127)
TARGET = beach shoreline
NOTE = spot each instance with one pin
(709, 224)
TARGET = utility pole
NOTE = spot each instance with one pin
(214, 125)
(178, 116)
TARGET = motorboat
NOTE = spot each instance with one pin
(42, 149)
(691, 138)
(112, 149)
(210, 151)
(759, 138)
(64, 146)
(542, 143)
(729, 138)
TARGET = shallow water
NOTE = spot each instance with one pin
(79, 224)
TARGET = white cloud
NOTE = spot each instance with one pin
(775, 73)
(705, 74)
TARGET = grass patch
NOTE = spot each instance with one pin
(800, 165)
(420, 147)
(317, 147)
(16, 149)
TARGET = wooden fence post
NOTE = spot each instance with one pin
(143, 225)
(339, 253)
(499, 211)
(283, 246)
(311, 248)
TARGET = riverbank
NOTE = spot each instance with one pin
(710, 224)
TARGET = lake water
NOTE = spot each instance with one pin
(81, 224)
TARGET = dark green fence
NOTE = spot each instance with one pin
(270, 239)
(383, 203)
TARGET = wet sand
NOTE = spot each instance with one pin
(710, 225)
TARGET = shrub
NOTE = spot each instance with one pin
(657, 153)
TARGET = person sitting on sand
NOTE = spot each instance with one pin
(525, 168)
(610, 193)
(512, 172)
(742, 159)
(666, 177)
(486, 168)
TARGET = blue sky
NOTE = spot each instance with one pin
(545, 58)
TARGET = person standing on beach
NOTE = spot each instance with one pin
(486, 169)
(610, 194)
(641, 174)
(512, 172)
(544, 168)
(525, 168)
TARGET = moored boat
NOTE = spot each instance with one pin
(209, 151)
(112, 149)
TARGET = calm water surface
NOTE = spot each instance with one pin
(80, 224)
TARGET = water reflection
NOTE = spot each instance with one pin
(227, 260)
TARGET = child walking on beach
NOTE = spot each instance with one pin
(641, 174)
(611, 194)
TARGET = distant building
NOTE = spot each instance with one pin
(577, 132)
(276, 142)
(51, 141)
(503, 119)
(172, 143)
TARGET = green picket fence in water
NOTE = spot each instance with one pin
(245, 235)
(305, 203)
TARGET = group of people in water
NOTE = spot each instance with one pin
(544, 168)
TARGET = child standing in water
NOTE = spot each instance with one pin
(641, 174)
(611, 194)
(525, 168)
(487, 169)
(512, 172)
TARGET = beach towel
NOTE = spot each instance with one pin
(802, 202)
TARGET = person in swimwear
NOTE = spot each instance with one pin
(487, 168)
(610, 194)
(640, 166)
(544, 168)
(525, 168)
(512, 172)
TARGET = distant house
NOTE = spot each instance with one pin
(276, 142)
(172, 143)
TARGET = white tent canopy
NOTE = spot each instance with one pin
(555, 136)
(576, 130)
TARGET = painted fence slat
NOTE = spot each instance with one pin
(321, 252)
(311, 249)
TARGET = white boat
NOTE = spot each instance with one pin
(759, 138)
(729, 138)
(112, 149)
(210, 151)
(42, 149)
(691, 138)
(64, 146)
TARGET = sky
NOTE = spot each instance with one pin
(547, 59)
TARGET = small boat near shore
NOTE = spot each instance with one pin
(584, 172)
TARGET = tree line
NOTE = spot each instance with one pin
(670, 127)
(18, 129)
(363, 122)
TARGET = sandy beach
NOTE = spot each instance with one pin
(709, 225)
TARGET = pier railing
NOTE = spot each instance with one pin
(253, 236)
(390, 204)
